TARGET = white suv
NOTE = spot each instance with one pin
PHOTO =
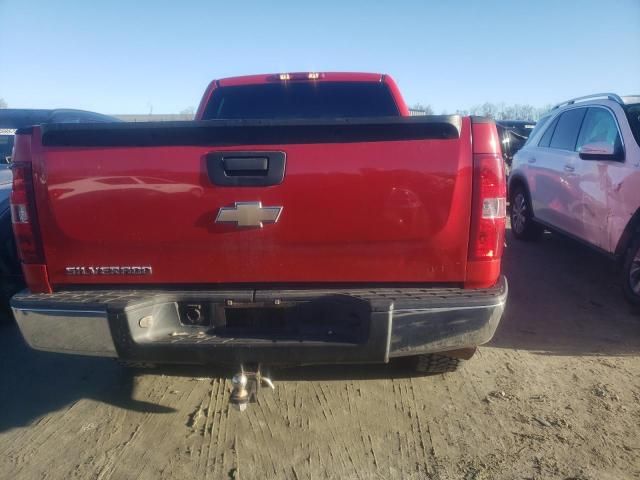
(579, 174)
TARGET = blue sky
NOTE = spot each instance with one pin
(130, 56)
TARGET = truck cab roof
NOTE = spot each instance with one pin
(301, 76)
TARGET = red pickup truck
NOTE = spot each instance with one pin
(300, 219)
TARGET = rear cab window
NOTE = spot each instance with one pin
(291, 100)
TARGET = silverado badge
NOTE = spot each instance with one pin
(248, 214)
(109, 270)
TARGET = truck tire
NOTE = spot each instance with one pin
(631, 272)
(522, 224)
(434, 363)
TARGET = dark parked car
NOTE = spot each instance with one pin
(513, 135)
(10, 120)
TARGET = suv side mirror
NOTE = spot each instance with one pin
(599, 151)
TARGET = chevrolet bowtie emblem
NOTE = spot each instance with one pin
(248, 214)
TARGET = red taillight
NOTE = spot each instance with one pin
(23, 212)
(488, 214)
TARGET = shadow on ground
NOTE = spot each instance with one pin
(33, 383)
(565, 299)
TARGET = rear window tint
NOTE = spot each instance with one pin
(546, 138)
(566, 132)
(302, 100)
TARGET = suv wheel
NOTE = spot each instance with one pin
(631, 272)
(522, 224)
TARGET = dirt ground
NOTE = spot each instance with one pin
(555, 395)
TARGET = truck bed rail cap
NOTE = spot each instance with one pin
(252, 132)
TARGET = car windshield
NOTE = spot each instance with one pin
(524, 130)
(13, 119)
(633, 114)
(302, 100)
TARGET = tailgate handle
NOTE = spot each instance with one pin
(246, 165)
(245, 169)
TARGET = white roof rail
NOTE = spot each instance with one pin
(610, 96)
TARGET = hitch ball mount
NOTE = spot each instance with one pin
(246, 385)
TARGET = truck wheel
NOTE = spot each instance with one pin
(522, 224)
(434, 363)
(631, 272)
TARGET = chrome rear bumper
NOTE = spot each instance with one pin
(83, 332)
(315, 326)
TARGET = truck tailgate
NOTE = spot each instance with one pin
(360, 202)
